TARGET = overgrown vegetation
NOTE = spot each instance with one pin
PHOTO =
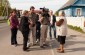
(56, 13)
(76, 28)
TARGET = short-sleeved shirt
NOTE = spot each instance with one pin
(62, 30)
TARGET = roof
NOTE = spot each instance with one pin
(69, 3)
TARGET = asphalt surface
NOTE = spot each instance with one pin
(75, 44)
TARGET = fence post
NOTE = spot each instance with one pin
(84, 24)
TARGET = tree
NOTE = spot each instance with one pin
(4, 7)
(56, 13)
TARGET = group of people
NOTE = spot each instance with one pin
(38, 24)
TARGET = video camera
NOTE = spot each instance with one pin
(45, 12)
(45, 9)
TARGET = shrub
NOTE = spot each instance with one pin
(76, 28)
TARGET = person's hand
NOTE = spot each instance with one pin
(30, 21)
(18, 27)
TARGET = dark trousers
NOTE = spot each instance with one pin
(25, 39)
(14, 36)
(38, 34)
(38, 31)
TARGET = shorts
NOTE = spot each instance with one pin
(61, 39)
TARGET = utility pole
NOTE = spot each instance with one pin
(7, 7)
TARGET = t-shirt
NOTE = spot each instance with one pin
(62, 30)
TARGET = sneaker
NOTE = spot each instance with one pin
(16, 45)
(45, 45)
(42, 47)
(25, 49)
(34, 44)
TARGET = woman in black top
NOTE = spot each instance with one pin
(24, 28)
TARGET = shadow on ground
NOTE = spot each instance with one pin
(70, 41)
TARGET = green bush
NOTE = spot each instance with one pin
(76, 28)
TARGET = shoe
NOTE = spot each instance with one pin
(25, 49)
(50, 38)
(12, 43)
(34, 44)
(42, 47)
(60, 51)
(37, 41)
(45, 45)
(56, 38)
(16, 45)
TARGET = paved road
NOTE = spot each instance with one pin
(75, 44)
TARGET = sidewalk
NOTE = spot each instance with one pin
(75, 45)
(3, 25)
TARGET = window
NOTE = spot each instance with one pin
(78, 11)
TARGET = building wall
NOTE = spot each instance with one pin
(68, 12)
(74, 11)
(71, 11)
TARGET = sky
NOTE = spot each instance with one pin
(25, 4)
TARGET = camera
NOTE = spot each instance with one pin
(44, 9)
(45, 12)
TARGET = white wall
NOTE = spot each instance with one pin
(75, 21)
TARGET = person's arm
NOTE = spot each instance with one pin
(60, 22)
(12, 22)
(40, 18)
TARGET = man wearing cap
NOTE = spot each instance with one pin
(45, 19)
(33, 17)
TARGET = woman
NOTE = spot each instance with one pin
(14, 27)
(24, 28)
(61, 31)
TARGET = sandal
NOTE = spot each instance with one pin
(58, 49)
(61, 51)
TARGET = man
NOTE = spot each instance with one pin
(44, 27)
(33, 17)
(52, 24)
(61, 30)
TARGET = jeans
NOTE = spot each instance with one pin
(50, 31)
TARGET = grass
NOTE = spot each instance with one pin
(76, 28)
